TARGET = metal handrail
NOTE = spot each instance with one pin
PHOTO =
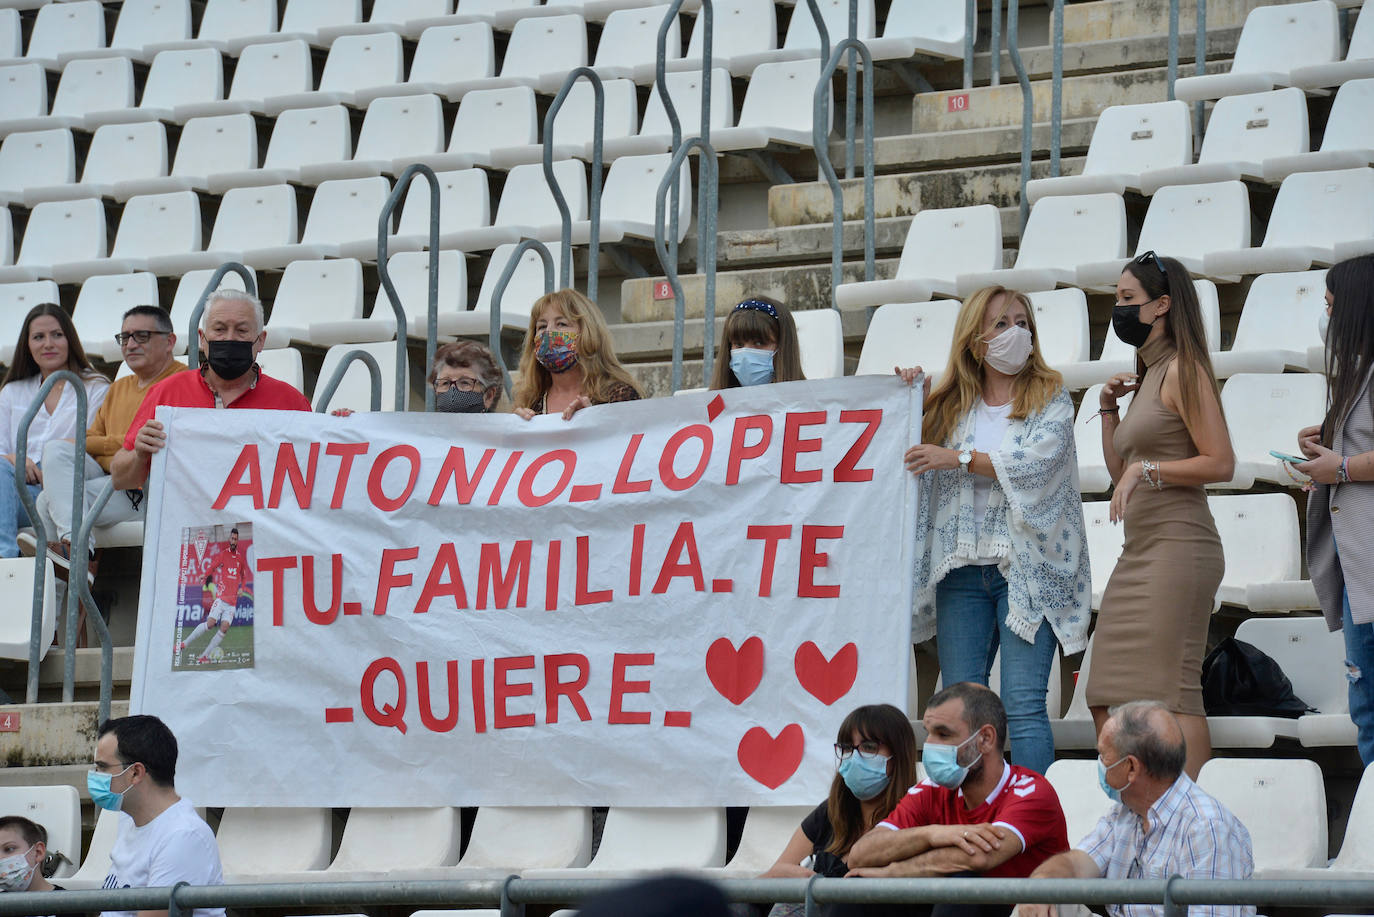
(81, 547)
(1027, 100)
(819, 119)
(1199, 68)
(250, 285)
(708, 185)
(374, 372)
(995, 45)
(970, 26)
(1057, 88)
(40, 558)
(706, 20)
(511, 893)
(594, 206)
(384, 273)
(497, 294)
(1172, 70)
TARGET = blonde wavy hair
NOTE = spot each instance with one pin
(602, 373)
(962, 382)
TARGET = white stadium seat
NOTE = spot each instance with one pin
(738, 28)
(767, 829)
(397, 130)
(224, 22)
(1105, 541)
(628, 200)
(1358, 63)
(88, 87)
(1075, 729)
(144, 23)
(1277, 326)
(778, 109)
(301, 138)
(355, 392)
(100, 308)
(1061, 323)
(1274, 41)
(507, 839)
(16, 618)
(16, 299)
(929, 28)
(449, 60)
(1313, 658)
(1128, 140)
(1347, 142)
(1356, 857)
(803, 40)
(1062, 233)
(1318, 218)
(489, 120)
(1263, 549)
(684, 91)
(57, 809)
(95, 865)
(34, 159)
(821, 339)
(6, 237)
(628, 48)
(306, 19)
(406, 17)
(11, 36)
(271, 841)
(409, 273)
(1281, 802)
(58, 231)
(542, 50)
(574, 130)
(1084, 803)
(636, 840)
(189, 288)
(464, 205)
(321, 303)
(209, 147)
(178, 78)
(940, 245)
(342, 223)
(1265, 411)
(526, 285)
(908, 334)
(284, 364)
(1093, 477)
(66, 28)
(527, 209)
(253, 224)
(265, 72)
(1243, 131)
(152, 226)
(123, 160)
(355, 62)
(23, 98)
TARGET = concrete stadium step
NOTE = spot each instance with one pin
(948, 149)
(53, 733)
(87, 676)
(1104, 20)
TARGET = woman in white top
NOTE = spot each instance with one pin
(47, 343)
(1001, 551)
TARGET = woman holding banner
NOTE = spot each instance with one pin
(568, 361)
(1001, 548)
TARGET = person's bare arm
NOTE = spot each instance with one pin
(952, 860)
(1215, 461)
(1071, 864)
(788, 865)
(883, 846)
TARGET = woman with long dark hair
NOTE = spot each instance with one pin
(47, 343)
(757, 345)
(1152, 630)
(1340, 509)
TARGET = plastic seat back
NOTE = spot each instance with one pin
(100, 84)
(271, 69)
(661, 838)
(101, 304)
(62, 27)
(159, 224)
(225, 20)
(1281, 313)
(1357, 849)
(61, 231)
(908, 334)
(1061, 324)
(933, 19)
(401, 126)
(1084, 803)
(317, 291)
(1259, 538)
(1132, 139)
(23, 92)
(16, 620)
(1194, 220)
(1349, 126)
(1322, 208)
(802, 34)
(528, 201)
(821, 339)
(1281, 37)
(255, 841)
(1255, 126)
(410, 275)
(16, 299)
(526, 282)
(684, 89)
(57, 809)
(1281, 802)
(545, 44)
(355, 392)
(1105, 541)
(308, 136)
(575, 122)
(454, 53)
(284, 364)
(952, 241)
(346, 210)
(1073, 229)
(1311, 656)
(182, 77)
(630, 37)
(738, 27)
(1092, 466)
(11, 36)
(126, 152)
(1265, 411)
(767, 829)
(250, 218)
(781, 94)
(464, 203)
(362, 62)
(209, 146)
(489, 119)
(148, 22)
(509, 837)
(37, 159)
(631, 190)
(309, 16)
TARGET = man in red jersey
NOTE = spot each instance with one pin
(226, 572)
(974, 814)
(231, 337)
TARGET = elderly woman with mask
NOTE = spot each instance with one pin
(465, 379)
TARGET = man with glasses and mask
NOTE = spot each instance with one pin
(147, 341)
(1162, 824)
(231, 337)
(974, 814)
(162, 841)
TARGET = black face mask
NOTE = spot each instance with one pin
(457, 401)
(229, 359)
(1128, 326)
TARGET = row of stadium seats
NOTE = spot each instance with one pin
(1281, 801)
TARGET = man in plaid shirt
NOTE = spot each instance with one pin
(1163, 824)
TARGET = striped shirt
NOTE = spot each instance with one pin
(1190, 835)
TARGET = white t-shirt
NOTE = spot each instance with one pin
(990, 426)
(15, 399)
(177, 846)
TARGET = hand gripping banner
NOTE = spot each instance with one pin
(668, 602)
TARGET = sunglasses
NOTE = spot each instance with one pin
(1151, 258)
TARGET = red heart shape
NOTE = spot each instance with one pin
(768, 760)
(827, 680)
(735, 673)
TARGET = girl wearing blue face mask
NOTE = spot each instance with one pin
(758, 346)
(875, 752)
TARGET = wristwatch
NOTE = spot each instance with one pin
(966, 459)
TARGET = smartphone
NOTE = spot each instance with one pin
(1284, 457)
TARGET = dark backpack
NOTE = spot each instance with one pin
(1239, 679)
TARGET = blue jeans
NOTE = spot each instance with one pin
(970, 624)
(13, 516)
(1359, 663)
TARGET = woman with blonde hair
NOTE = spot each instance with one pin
(1001, 549)
(1152, 629)
(568, 361)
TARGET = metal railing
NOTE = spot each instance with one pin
(78, 589)
(707, 189)
(1174, 894)
(374, 372)
(499, 293)
(250, 285)
(1027, 100)
(1056, 88)
(384, 274)
(565, 269)
(1199, 60)
(970, 27)
(819, 119)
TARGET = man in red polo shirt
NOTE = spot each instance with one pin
(231, 337)
(974, 814)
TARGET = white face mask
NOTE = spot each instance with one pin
(16, 871)
(1009, 351)
(1323, 324)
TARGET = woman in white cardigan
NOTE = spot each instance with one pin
(1001, 551)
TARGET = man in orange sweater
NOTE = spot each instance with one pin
(147, 341)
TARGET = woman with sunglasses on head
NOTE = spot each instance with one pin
(1340, 509)
(1001, 548)
(876, 753)
(1152, 629)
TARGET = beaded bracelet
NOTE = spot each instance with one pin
(1344, 471)
(1150, 471)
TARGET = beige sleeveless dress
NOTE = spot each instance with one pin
(1152, 629)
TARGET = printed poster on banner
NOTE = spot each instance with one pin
(667, 602)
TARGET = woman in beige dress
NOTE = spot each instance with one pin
(1152, 630)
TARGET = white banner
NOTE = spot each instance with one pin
(430, 609)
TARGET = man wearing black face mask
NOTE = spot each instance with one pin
(231, 337)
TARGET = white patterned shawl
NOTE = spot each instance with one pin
(1034, 523)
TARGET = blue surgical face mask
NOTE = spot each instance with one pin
(866, 776)
(1112, 792)
(99, 785)
(751, 366)
(942, 763)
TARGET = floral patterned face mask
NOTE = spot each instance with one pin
(557, 350)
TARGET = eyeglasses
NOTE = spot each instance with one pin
(138, 337)
(1151, 258)
(463, 385)
(866, 749)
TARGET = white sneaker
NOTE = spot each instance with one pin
(28, 544)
